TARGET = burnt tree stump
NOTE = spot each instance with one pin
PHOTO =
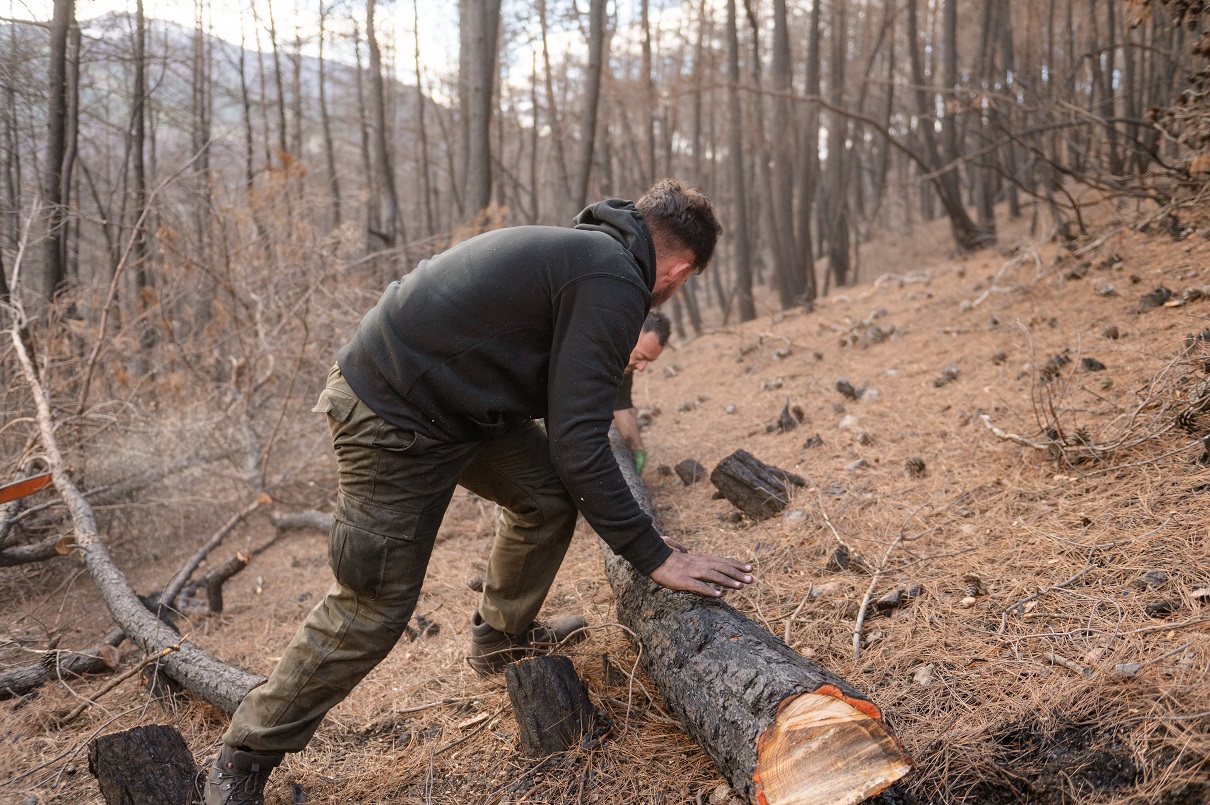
(148, 765)
(781, 729)
(551, 703)
(754, 487)
(690, 472)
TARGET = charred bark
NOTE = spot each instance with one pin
(757, 489)
(551, 703)
(144, 764)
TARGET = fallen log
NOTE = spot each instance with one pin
(143, 765)
(781, 729)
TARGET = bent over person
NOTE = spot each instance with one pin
(440, 386)
(652, 340)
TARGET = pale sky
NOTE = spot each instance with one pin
(438, 22)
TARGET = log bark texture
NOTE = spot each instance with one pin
(144, 765)
(780, 728)
(552, 706)
(756, 488)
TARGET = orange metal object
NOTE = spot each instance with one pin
(28, 486)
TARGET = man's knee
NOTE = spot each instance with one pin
(549, 509)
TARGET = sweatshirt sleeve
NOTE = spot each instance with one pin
(597, 323)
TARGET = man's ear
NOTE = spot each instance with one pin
(680, 270)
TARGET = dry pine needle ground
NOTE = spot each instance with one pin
(1056, 648)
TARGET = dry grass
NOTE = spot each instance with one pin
(1029, 668)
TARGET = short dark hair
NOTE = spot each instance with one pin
(656, 322)
(681, 218)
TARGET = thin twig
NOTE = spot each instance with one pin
(790, 621)
(84, 705)
(869, 592)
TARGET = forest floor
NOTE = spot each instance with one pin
(1059, 649)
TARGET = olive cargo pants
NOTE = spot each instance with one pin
(395, 486)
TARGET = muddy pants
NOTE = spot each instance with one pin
(395, 486)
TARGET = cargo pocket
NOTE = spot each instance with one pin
(358, 558)
(373, 565)
(336, 404)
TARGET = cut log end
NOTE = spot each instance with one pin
(822, 749)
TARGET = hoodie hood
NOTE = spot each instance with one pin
(620, 220)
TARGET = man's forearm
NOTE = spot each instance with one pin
(627, 422)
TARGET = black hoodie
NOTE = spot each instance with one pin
(522, 323)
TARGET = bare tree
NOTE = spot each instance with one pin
(838, 134)
(421, 127)
(388, 201)
(55, 267)
(480, 24)
(325, 120)
(739, 189)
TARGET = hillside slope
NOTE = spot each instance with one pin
(1057, 649)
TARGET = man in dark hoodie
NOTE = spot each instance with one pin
(441, 386)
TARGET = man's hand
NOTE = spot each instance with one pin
(701, 574)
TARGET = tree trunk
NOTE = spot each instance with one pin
(597, 55)
(325, 120)
(781, 205)
(140, 254)
(810, 163)
(54, 274)
(739, 187)
(649, 171)
(563, 188)
(388, 200)
(838, 133)
(422, 127)
(277, 82)
(966, 234)
(480, 25)
(373, 210)
(780, 728)
(246, 100)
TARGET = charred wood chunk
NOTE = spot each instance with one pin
(552, 706)
(754, 487)
(690, 472)
(143, 765)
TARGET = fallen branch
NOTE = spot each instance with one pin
(1011, 437)
(289, 521)
(48, 548)
(55, 663)
(217, 683)
(182, 577)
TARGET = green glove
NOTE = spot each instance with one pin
(640, 458)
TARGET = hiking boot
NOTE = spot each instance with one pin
(238, 777)
(492, 649)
